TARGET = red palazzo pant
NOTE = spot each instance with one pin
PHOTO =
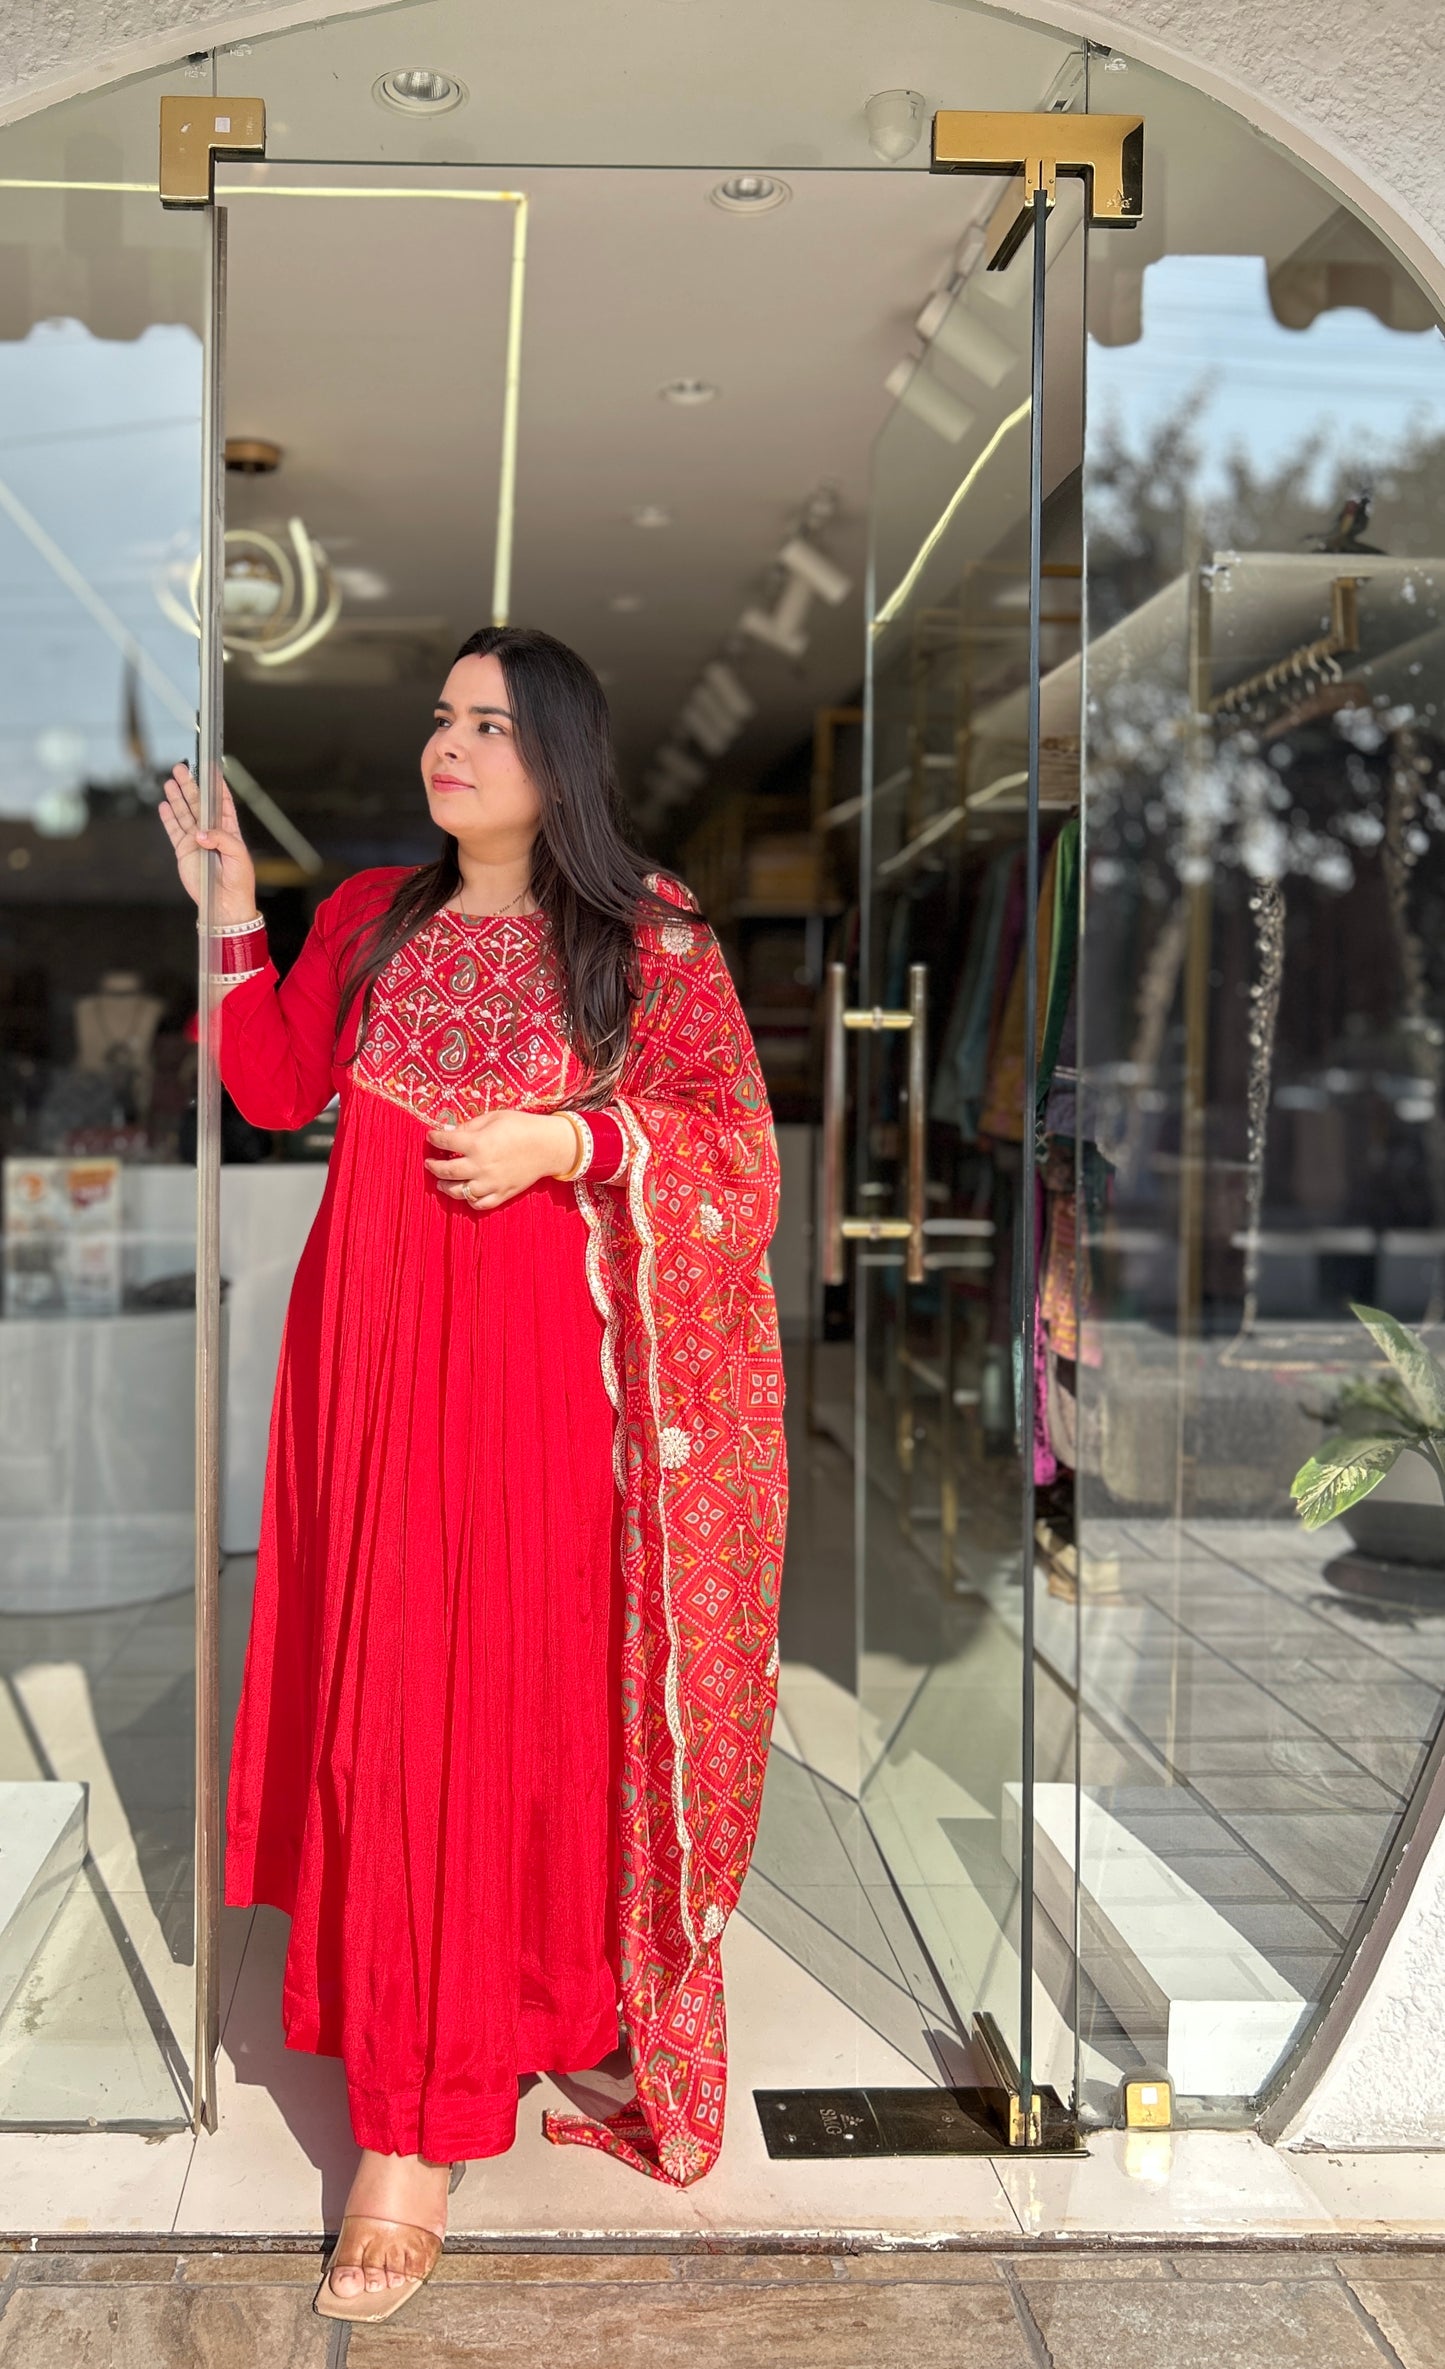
(426, 1751)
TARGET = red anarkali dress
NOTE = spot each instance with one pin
(513, 1647)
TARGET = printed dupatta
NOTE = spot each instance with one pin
(677, 1259)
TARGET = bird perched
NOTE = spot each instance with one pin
(1348, 527)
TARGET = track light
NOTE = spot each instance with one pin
(724, 685)
(946, 413)
(781, 627)
(818, 573)
(702, 724)
(715, 712)
(664, 791)
(948, 325)
(675, 765)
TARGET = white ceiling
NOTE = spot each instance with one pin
(366, 339)
(368, 343)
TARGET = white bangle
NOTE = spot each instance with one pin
(583, 1160)
(235, 929)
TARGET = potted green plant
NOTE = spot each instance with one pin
(1374, 1419)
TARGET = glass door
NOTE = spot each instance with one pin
(1261, 1073)
(107, 322)
(952, 1026)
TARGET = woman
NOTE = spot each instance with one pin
(512, 1661)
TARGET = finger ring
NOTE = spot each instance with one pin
(470, 1191)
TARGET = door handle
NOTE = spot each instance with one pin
(839, 1017)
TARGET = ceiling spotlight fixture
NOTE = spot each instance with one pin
(895, 120)
(781, 627)
(625, 604)
(807, 576)
(751, 193)
(679, 766)
(651, 514)
(938, 408)
(724, 686)
(419, 90)
(819, 574)
(713, 731)
(947, 324)
(687, 393)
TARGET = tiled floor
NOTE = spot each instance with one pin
(1214, 2310)
(842, 1967)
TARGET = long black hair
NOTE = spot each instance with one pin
(587, 877)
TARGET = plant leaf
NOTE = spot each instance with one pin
(1422, 1374)
(1375, 1404)
(1340, 1473)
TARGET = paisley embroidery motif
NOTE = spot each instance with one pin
(458, 1028)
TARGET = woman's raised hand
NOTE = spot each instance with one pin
(234, 898)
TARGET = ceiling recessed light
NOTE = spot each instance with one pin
(419, 90)
(252, 456)
(751, 193)
(687, 393)
(651, 514)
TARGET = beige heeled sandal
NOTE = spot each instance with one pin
(377, 2303)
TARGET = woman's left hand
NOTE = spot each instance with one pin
(492, 1159)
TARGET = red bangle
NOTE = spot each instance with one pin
(239, 957)
(609, 1146)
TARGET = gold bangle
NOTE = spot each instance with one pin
(584, 1149)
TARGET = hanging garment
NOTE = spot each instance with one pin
(1046, 1467)
(512, 1663)
(1003, 1112)
(963, 1059)
(1063, 953)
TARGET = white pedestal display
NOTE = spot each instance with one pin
(42, 1844)
(97, 1413)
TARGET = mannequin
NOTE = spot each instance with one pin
(114, 1032)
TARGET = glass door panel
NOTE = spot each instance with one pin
(1261, 1089)
(961, 889)
(101, 328)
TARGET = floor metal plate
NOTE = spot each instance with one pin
(809, 2124)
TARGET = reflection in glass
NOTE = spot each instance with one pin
(951, 1472)
(1265, 515)
(100, 385)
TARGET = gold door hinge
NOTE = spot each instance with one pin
(194, 132)
(1105, 151)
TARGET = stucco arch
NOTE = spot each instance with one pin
(1358, 104)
